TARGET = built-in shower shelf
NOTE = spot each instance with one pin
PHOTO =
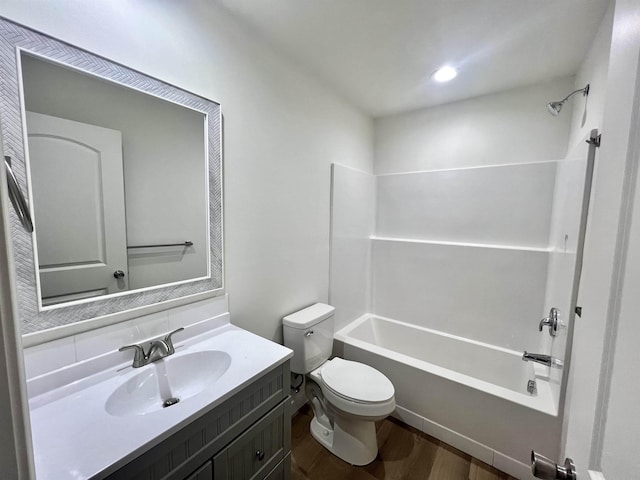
(463, 244)
(479, 167)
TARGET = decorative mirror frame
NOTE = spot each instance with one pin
(15, 39)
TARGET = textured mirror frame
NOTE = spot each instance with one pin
(14, 39)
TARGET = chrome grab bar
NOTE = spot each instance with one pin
(17, 198)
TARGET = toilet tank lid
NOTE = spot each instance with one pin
(307, 317)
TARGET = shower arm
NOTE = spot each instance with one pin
(585, 92)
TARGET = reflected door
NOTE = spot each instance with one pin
(78, 200)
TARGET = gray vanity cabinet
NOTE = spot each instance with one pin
(257, 451)
(247, 437)
(205, 472)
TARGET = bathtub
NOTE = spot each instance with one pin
(469, 394)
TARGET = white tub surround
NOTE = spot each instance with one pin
(470, 290)
(479, 252)
(469, 394)
(352, 224)
(507, 205)
(74, 436)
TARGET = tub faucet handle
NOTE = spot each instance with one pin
(551, 321)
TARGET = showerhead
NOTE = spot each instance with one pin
(555, 107)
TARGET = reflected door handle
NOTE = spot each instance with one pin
(118, 274)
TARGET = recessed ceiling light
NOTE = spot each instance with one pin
(444, 74)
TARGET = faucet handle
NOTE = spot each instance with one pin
(552, 321)
(169, 342)
(139, 356)
(546, 321)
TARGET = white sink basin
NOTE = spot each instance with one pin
(95, 417)
(174, 377)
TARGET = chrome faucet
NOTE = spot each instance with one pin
(547, 360)
(157, 350)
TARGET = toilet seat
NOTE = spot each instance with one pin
(356, 388)
(356, 381)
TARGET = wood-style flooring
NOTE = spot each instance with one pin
(404, 454)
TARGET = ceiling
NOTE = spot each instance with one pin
(379, 54)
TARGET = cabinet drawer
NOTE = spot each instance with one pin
(205, 472)
(282, 471)
(256, 452)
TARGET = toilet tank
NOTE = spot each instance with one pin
(309, 333)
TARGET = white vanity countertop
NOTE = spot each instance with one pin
(75, 438)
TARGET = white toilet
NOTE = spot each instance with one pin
(347, 397)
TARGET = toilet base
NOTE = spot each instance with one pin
(351, 439)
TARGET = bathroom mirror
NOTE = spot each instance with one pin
(122, 173)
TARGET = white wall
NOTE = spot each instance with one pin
(465, 251)
(163, 161)
(502, 205)
(475, 292)
(282, 131)
(477, 193)
(593, 71)
(580, 403)
(597, 350)
(16, 456)
(506, 127)
(586, 114)
(352, 224)
(621, 441)
(563, 243)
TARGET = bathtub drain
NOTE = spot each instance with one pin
(532, 387)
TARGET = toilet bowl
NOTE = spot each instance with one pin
(347, 397)
(353, 397)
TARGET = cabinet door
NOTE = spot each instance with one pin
(254, 453)
(205, 472)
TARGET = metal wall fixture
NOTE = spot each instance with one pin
(546, 360)
(156, 245)
(552, 321)
(17, 198)
(532, 387)
(554, 107)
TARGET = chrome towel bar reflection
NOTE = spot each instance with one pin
(17, 198)
(183, 244)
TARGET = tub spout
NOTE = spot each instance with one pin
(547, 360)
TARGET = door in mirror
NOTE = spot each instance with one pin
(79, 212)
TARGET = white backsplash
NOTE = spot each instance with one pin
(46, 357)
